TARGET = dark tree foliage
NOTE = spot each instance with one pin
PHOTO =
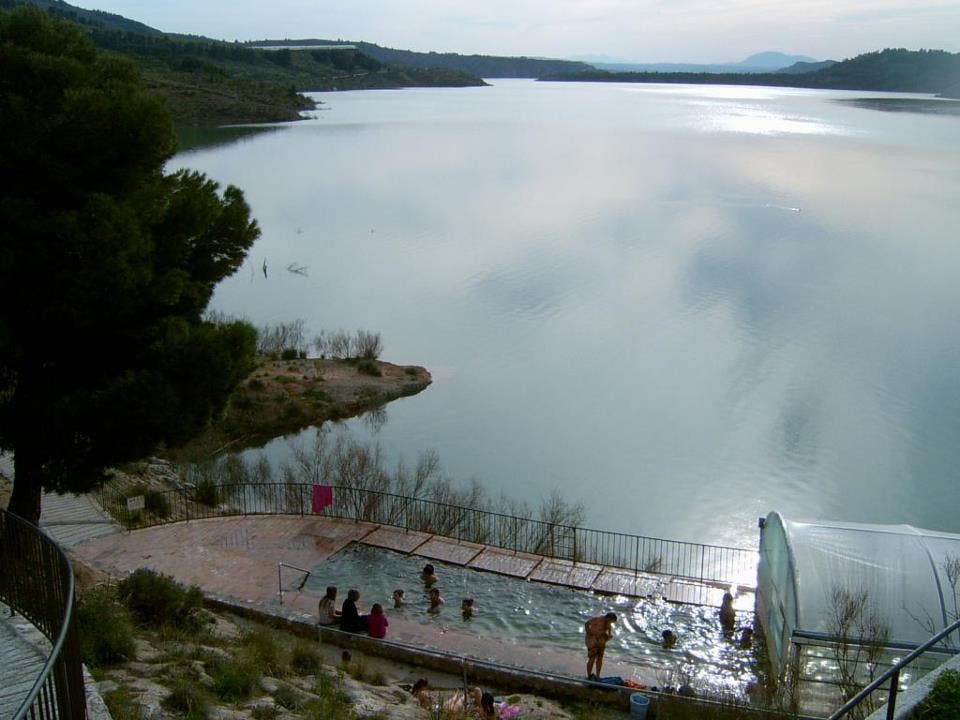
(106, 267)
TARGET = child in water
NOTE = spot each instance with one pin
(467, 607)
(435, 600)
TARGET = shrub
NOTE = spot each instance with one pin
(289, 354)
(187, 699)
(332, 702)
(157, 600)
(156, 502)
(368, 367)
(105, 628)
(942, 701)
(368, 345)
(234, 680)
(121, 705)
(207, 493)
(287, 697)
(304, 659)
(262, 649)
(264, 712)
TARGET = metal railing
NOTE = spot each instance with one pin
(712, 564)
(893, 675)
(36, 580)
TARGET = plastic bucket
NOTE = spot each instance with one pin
(638, 706)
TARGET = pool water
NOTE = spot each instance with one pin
(546, 616)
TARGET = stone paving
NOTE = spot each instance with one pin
(22, 656)
(68, 519)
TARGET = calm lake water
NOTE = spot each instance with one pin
(685, 306)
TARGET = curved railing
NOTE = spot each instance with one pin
(36, 580)
(713, 564)
(893, 675)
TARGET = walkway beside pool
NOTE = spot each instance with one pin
(238, 560)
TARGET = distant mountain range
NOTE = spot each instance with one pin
(890, 70)
(764, 62)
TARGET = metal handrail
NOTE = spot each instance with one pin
(58, 692)
(893, 674)
(713, 564)
(280, 567)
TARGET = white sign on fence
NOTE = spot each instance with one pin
(135, 503)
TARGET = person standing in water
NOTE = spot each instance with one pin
(597, 631)
(428, 576)
(727, 614)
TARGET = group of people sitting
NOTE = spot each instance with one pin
(375, 623)
(348, 617)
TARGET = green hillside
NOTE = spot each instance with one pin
(890, 70)
(214, 82)
(486, 66)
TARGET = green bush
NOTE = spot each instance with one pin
(332, 702)
(368, 367)
(207, 492)
(121, 705)
(289, 354)
(234, 680)
(943, 700)
(158, 601)
(105, 628)
(187, 699)
(264, 712)
(304, 659)
(287, 697)
(264, 652)
(156, 502)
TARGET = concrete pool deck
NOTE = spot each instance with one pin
(238, 560)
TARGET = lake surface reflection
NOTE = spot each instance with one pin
(684, 306)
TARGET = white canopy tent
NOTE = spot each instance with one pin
(909, 576)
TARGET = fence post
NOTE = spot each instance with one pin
(636, 555)
(892, 695)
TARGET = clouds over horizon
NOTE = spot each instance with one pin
(644, 31)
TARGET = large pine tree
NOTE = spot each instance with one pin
(106, 267)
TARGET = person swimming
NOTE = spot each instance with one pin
(467, 608)
(428, 575)
(669, 639)
(397, 598)
(435, 600)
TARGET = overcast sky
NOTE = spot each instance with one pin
(634, 30)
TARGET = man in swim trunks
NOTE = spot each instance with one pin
(597, 631)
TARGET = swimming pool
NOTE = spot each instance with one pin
(546, 616)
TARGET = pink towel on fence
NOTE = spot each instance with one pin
(322, 497)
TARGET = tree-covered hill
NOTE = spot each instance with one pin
(214, 82)
(892, 70)
(485, 66)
